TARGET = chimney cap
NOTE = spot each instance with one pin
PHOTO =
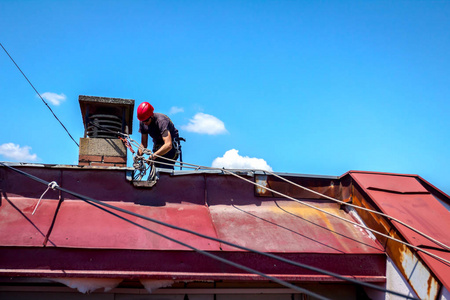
(121, 108)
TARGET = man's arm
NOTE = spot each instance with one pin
(167, 138)
(144, 143)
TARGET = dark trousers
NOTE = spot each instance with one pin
(166, 164)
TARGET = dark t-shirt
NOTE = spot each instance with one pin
(159, 124)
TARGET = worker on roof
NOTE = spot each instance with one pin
(166, 142)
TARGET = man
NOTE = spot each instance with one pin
(163, 132)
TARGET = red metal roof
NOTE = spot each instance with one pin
(88, 241)
(405, 198)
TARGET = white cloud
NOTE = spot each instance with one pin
(232, 160)
(176, 110)
(17, 153)
(53, 98)
(205, 124)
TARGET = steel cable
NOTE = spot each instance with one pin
(40, 96)
(314, 207)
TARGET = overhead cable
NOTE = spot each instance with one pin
(97, 203)
(40, 95)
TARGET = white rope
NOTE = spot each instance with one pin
(321, 210)
(52, 185)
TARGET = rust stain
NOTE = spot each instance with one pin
(429, 283)
(329, 187)
(417, 274)
(262, 180)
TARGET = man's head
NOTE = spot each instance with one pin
(145, 111)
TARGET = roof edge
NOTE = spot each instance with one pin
(378, 173)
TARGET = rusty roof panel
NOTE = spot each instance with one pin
(404, 198)
(418, 211)
(284, 226)
(278, 225)
(421, 211)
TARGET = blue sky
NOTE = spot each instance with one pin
(310, 87)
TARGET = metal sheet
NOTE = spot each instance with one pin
(283, 226)
(422, 211)
(401, 197)
(80, 225)
(404, 184)
(175, 264)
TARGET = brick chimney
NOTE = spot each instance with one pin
(100, 146)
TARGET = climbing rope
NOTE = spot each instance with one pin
(52, 185)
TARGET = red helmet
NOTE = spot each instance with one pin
(144, 111)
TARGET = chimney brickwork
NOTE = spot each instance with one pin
(102, 152)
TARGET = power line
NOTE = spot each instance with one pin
(39, 95)
(97, 202)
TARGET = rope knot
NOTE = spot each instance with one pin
(53, 185)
